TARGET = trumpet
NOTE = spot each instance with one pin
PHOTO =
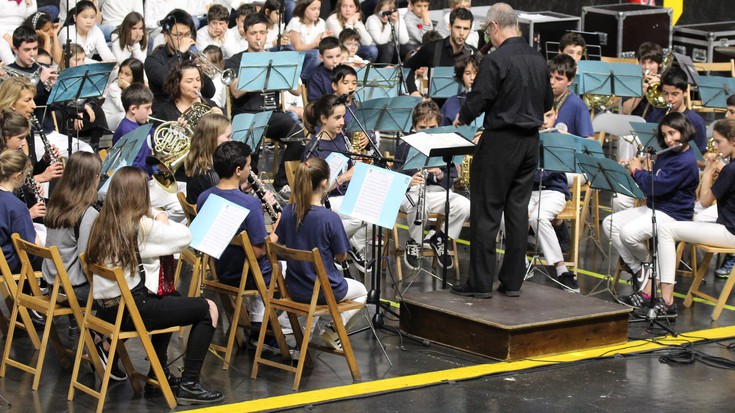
(228, 75)
(46, 84)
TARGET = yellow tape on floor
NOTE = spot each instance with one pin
(462, 373)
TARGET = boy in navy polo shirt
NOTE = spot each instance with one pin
(320, 81)
(572, 111)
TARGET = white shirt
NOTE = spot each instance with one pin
(114, 11)
(196, 7)
(272, 35)
(93, 42)
(130, 51)
(204, 39)
(382, 34)
(156, 10)
(234, 43)
(307, 33)
(13, 14)
(336, 27)
(113, 108)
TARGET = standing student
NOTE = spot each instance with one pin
(129, 234)
(130, 38)
(718, 184)
(347, 15)
(86, 33)
(513, 89)
(672, 191)
(306, 224)
(325, 120)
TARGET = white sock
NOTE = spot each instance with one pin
(561, 269)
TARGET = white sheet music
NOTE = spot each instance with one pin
(425, 142)
(373, 195)
(215, 225)
(337, 163)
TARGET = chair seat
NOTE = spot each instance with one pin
(709, 251)
(289, 304)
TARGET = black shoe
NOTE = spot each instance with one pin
(412, 254)
(360, 261)
(635, 300)
(639, 279)
(466, 291)
(192, 392)
(173, 382)
(115, 373)
(562, 234)
(437, 244)
(507, 292)
(661, 310)
(39, 321)
(568, 282)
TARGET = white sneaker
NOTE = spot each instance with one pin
(285, 323)
(331, 338)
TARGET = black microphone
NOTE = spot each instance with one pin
(342, 99)
(387, 12)
(166, 21)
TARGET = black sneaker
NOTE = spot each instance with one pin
(359, 260)
(661, 310)
(727, 264)
(562, 234)
(38, 320)
(568, 282)
(192, 392)
(412, 255)
(270, 346)
(635, 300)
(115, 372)
(173, 382)
(437, 244)
(640, 278)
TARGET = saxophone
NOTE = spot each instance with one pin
(273, 210)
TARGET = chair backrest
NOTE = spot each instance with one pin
(277, 252)
(291, 167)
(249, 265)
(190, 210)
(24, 249)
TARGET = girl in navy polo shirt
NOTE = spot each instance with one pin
(306, 224)
(718, 184)
(675, 180)
(324, 119)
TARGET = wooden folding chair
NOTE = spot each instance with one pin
(291, 167)
(8, 289)
(278, 297)
(48, 306)
(190, 210)
(233, 300)
(117, 337)
(720, 301)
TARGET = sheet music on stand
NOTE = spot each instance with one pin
(375, 195)
(215, 225)
(421, 144)
(269, 71)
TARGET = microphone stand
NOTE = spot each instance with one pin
(402, 80)
(281, 11)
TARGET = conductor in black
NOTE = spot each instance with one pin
(512, 88)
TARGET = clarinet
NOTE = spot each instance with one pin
(272, 210)
(31, 183)
(419, 220)
(41, 134)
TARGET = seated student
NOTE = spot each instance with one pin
(113, 14)
(650, 56)
(320, 81)
(718, 184)
(344, 82)
(573, 44)
(86, 33)
(215, 32)
(347, 15)
(675, 178)
(272, 10)
(349, 39)
(211, 131)
(235, 41)
(444, 26)
(418, 22)
(130, 38)
(572, 112)
(710, 213)
(183, 84)
(215, 56)
(444, 52)
(129, 234)
(232, 165)
(131, 71)
(326, 117)
(674, 87)
(380, 26)
(305, 30)
(280, 125)
(179, 34)
(426, 116)
(306, 224)
(14, 216)
(46, 29)
(137, 100)
(465, 70)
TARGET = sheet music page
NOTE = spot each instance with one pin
(425, 142)
(215, 225)
(373, 195)
(337, 163)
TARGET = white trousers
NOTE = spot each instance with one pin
(702, 214)
(357, 230)
(629, 230)
(459, 210)
(551, 204)
(357, 292)
(694, 232)
(622, 202)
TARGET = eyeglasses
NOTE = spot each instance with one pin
(352, 44)
(181, 35)
(489, 26)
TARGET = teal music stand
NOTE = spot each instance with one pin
(81, 82)
(375, 81)
(126, 149)
(249, 128)
(269, 71)
(558, 151)
(714, 90)
(609, 79)
(385, 114)
(442, 84)
(608, 175)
